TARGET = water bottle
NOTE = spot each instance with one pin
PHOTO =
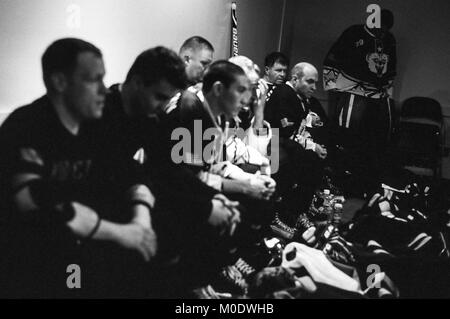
(328, 201)
(337, 214)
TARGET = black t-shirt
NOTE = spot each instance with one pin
(174, 187)
(57, 167)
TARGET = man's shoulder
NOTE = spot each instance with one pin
(190, 105)
(283, 90)
(190, 99)
(355, 29)
(28, 123)
(29, 115)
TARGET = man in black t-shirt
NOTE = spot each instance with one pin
(63, 205)
(188, 213)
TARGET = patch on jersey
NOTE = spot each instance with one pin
(330, 76)
(377, 63)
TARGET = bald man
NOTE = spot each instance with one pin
(292, 103)
(293, 110)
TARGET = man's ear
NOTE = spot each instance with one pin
(266, 70)
(186, 59)
(217, 88)
(58, 81)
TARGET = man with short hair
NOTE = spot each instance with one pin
(197, 54)
(226, 88)
(250, 150)
(296, 114)
(275, 69)
(133, 115)
(291, 103)
(58, 192)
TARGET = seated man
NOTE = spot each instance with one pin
(198, 140)
(294, 112)
(182, 221)
(250, 148)
(197, 54)
(275, 73)
(224, 94)
(275, 70)
(63, 208)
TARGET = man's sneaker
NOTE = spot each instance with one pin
(244, 267)
(282, 230)
(234, 281)
(236, 276)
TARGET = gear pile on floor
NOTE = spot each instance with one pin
(395, 246)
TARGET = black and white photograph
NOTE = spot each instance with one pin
(244, 151)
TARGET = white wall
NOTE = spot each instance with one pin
(121, 29)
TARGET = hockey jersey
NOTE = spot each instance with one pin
(361, 63)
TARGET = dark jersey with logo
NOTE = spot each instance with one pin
(361, 63)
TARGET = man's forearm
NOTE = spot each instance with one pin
(234, 187)
(142, 215)
(142, 201)
(85, 221)
(259, 120)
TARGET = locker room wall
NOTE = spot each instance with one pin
(121, 29)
